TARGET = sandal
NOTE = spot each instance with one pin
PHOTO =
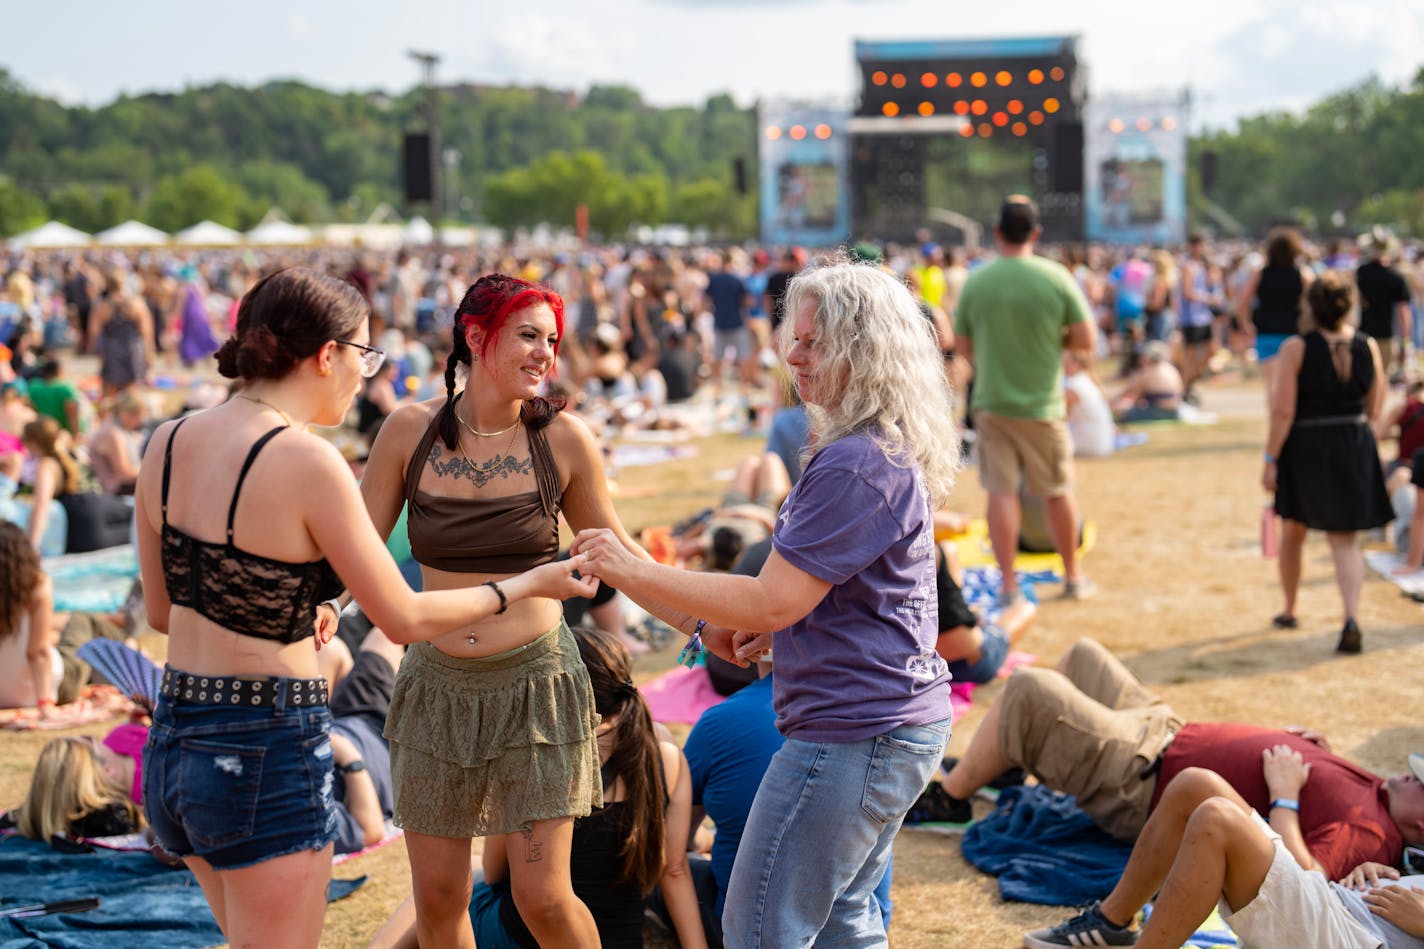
(1285, 621)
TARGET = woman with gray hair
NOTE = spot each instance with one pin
(847, 594)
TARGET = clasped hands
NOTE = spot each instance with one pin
(606, 558)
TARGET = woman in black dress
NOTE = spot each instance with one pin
(1321, 458)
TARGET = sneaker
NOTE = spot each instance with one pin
(1088, 928)
(1008, 598)
(935, 806)
(1079, 589)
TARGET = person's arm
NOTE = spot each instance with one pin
(1244, 305)
(47, 478)
(1286, 773)
(1379, 389)
(42, 639)
(111, 447)
(774, 599)
(74, 416)
(1283, 394)
(361, 800)
(143, 316)
(676, 882)
(98, 316)
(148, 527)
(1404, 316)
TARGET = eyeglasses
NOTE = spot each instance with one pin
(372, 359)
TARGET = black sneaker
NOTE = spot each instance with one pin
(935, 806)
(1088, 928)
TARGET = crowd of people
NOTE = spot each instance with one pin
(414, 649)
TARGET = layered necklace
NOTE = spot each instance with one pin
(499, 456)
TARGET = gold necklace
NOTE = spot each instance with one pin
(474, 431)
(498, 456)
(285, 417)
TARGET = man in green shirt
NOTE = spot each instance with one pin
(1015, 317)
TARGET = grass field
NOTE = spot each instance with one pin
(1186, 599)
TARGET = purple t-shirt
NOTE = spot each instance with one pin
(863, 661)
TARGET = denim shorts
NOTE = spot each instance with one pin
(237, 786)
(992, 653)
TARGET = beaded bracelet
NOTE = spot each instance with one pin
(688, 656)
(503, 601)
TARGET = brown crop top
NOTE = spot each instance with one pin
(485, 535)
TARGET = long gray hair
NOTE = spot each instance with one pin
(881, 352)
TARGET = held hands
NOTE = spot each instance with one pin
(556, 580)
(1285, 771)
(1368, 875)
(605, 555)
(750, 647)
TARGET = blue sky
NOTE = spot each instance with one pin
(1239, 57)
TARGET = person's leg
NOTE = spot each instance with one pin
(982, 762)
(1267, 368)
(1100, 675)
(820, 831)
(1003, 518)
(1223, 854)
(212, 887)
(542, 888)
(295, 882)
(398, 932)
(441, 878)
(1062, 512)
(1289, 562)
(1015, 620)
(1156, 850)
(773, 483)
(1349, 569)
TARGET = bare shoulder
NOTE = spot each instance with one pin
(571, 434)
(672, 760)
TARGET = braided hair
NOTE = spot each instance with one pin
(488, 304)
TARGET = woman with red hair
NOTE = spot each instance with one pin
(492, 727)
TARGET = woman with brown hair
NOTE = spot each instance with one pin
(121, 328)
(492, 728)
(1272, 301)
(1321, 460)
(245, 523)
(58, 475)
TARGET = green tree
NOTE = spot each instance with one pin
(200, 193)
(19, 209)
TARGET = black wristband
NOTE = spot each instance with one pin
(351, 767)
(503, 601)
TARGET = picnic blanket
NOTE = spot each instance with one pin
(98, 703)
(975, 551)
(1384, 562)
(93, 582)
(1044, 849)
(143, 904)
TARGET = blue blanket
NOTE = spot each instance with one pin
(1044, 849)
(142, 903)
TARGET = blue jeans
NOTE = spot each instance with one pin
(818, 839)
(237, 786)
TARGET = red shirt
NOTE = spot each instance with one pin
(1344, 812)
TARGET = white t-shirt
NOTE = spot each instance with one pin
(1090, 420)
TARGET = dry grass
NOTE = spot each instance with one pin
(1186, 598)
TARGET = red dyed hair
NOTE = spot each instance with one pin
(492, 298)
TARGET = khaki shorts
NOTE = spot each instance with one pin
(491, 745)
(1296, 907)
(1090, 732)
(1015, 451)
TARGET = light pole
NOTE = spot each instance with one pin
(428, 62)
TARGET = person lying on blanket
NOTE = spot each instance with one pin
(1092, 710)
(1205, 845)
(89, 787)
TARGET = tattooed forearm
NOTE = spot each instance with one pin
(458, 466)
(533, 849)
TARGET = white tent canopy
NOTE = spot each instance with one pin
(51, 235)
(418, 232)
(207, 234)
(279, 233)
(131, 234)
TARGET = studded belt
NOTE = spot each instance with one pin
(188, 689)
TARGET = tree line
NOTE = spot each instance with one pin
(522, 156)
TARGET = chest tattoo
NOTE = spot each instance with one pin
(444, 464)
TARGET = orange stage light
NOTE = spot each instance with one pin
(798, 132)
(985, 129)
(1116, 126)
(1035, 76)
(879, 78)
(1035, 117)
(926, 108)
(890, 109)
(823, 131)
(1020, 129)
(1050, 105)
(929, 80)
(961, 107)
(979, 107)
(1001, 119)
(1168, 124)
(967, 130)
(1056, 73)
(1003, 77)
(979, 80)
(773, 132)
(1015, 107)
(1144, 124)
(898, 80)
(954, 80)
